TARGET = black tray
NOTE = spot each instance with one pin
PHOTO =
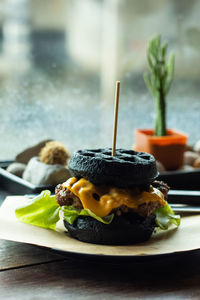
(18, 186)
(182, 180)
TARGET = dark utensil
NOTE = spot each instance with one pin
(184, 197)
(182, 208)
(180, 180)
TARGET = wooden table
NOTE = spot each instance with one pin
(30, 272)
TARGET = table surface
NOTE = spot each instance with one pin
(31, 272)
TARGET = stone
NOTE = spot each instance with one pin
(196, 164)
(16, 169)
(189, 157)
(39, 173)
(160, 167)
(197, 146)
(30, 152)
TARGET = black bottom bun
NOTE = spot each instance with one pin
(126, 229)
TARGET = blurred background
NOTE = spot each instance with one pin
(59, 60)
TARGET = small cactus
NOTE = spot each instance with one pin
(159, 80)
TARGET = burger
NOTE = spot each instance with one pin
(113, 200)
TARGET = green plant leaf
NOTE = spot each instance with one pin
(164, 50)
(159, 80)
(148, 83)
(170, 64)
(150, 60)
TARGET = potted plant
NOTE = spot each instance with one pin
(167, 145)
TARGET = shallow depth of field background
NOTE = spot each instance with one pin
(59, 60)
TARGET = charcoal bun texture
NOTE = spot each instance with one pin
(127, 229)
(125, 169)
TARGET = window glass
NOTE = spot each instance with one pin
(59, 60)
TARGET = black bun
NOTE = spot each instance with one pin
(125, 169)
(123, 230)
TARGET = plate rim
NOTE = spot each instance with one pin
(123, 258)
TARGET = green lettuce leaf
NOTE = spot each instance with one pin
(42, 211)
(165, 217)
(70, 215)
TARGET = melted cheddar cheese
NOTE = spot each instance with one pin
(110, 197)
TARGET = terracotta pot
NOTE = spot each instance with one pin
(167, 149)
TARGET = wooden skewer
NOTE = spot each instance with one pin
(115, 117)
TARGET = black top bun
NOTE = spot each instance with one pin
(125, 169)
